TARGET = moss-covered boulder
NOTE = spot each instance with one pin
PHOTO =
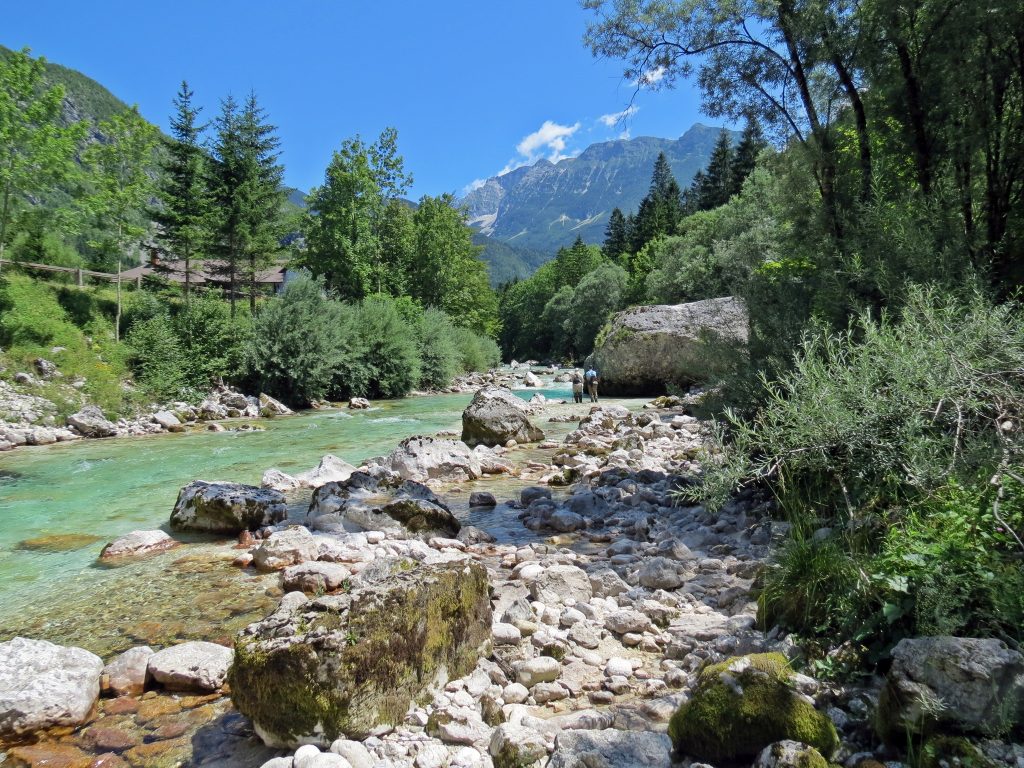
(342, 665)
(742, 705)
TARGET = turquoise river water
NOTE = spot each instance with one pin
(60, 504)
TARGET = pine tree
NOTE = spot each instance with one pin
(262, 192)
(184, 217)
(716, 188)
(616, 236)
(751, 143)
(248, 194)
(226, 183)
(661, 210)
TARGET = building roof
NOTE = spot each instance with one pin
(207, 271)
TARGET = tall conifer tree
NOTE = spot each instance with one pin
(616, 236)
(186, 209)
(745, 156)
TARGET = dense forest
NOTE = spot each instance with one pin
(395, 299)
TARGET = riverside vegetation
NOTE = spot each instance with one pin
(856, 507)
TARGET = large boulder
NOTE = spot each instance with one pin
(90, 422)
(611, 748)
(433, 458)
(381, 502)
(44, 685)
(959, 683)
(496, 416)
(643, 349)
(220, 507)
(269, 407)
(346, 664)
(742, 705)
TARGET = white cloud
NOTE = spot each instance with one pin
(550, 136)
(473, 185)
(613, 118)
(650, 78)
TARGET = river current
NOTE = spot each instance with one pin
(60, 504)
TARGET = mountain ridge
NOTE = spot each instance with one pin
(545, 205)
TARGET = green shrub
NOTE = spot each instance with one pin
(389, 350)
(476, 352)
(902, 436)
(298, 343)
(440, 357)
(156, 356)
(212, 343)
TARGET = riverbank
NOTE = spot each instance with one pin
(607, 597)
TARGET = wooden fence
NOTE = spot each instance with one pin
(79, 273)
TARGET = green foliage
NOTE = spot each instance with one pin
(476, 352)
(212, 343)
(36, 145)
(347, 240)
(388, 353)
(440, 356)
(599, 295)
(36, 317)
(186, 213)
(247, 194)
(156, 356)
(902, 436)
(299, 341)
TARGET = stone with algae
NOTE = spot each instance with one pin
(343, 665)
(742, 705)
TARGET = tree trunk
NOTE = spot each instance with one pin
(188, 275)
(860, 116)
(252, 285)
(826, 161)
(3, 222)
(915, 112)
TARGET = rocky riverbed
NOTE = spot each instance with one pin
(612, 628)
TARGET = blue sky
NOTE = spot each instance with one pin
(473, 87)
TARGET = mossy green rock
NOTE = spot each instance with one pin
(742, 705)
(342, 665)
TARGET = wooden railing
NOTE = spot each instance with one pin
(79, 273)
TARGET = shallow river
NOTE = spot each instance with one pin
(60, 504)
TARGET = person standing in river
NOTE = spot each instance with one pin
(577, 386)
(591, 379)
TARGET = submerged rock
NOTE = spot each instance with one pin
(138, 544)
(345, 664)
(496, 416)
(220, 507)
(44, 685)
(742, 705)
(382, 502)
